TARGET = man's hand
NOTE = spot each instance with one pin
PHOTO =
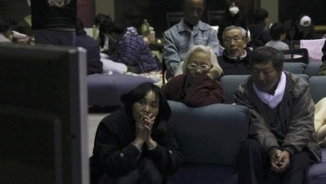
(280, 160)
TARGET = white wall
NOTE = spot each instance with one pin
(105, 6)
(272, 7)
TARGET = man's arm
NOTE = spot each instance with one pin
(171, 55)
(301, 124)
(213, 41)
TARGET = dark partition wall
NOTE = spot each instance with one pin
(291, 9)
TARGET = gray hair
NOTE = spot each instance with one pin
(243, 31)
(198, 48)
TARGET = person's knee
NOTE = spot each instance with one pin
(151, 173)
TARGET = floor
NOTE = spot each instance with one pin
(94, 119)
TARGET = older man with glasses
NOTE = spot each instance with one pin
(235, 57)
(197, 83)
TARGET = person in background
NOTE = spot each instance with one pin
(134, 144)
(101, 37)
(54, 21)
(320, 122)
(259, 31)
(235, 57)
(94, 64)
(196, 82)
(106, 46)
(131, 50)
(233, 16)
(188, 32)
(282, 140)
(300, 28)
(5, 32)
(278, 34)
(322, 68)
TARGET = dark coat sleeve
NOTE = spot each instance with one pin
(166, 156)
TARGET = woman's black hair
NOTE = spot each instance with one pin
(238, 17)
(266, 54)
(139, 93)
(260, 15)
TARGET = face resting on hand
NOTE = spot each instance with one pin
(148, 106)
(199, 62)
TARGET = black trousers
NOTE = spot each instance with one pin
(254, 166)
(146, 173)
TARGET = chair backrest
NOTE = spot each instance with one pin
(295, 67)
(215, 17)
(296, 55)
(317, 87)
(230, 84)
(173, 18)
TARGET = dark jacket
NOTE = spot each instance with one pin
(233, 66)
(115, 156)
(203, 91)
(295, 115)
(45, 16)
(259, 35)
(94, 64)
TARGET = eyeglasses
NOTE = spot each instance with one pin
(235, 39)
(201, 67)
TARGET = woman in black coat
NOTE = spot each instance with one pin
(134, 144)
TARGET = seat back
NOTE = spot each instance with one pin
(173, 18)
(294, 67)
(230, 84)
(215, 17)
(317, 87)
(296, 55)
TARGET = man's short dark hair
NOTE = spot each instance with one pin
(277, 29)
(260, 15)
(265, 54)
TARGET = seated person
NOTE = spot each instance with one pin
(5, 31)
(235, 57)
(134, 144)
(131, 50)
(278, 35)
(94, 64)
(320, 122)
(282, 141)
(322, 68)
(259, 31)
(198, 84)
(300, 29)
(188, 32)
(106, 46)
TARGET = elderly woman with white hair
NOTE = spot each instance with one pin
(196, 81)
